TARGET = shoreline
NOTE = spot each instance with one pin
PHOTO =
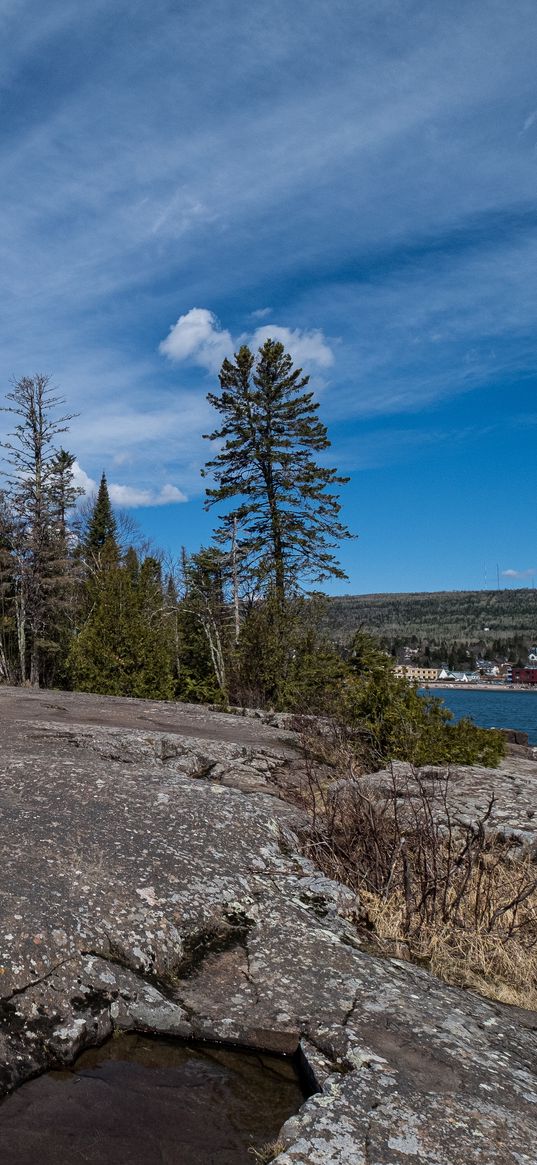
(444, 685)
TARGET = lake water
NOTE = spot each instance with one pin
(494, 709)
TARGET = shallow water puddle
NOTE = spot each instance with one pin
(140, 1100)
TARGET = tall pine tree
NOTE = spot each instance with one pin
(285, 512)
(102, 524)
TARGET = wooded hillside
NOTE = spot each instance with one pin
(455, 616)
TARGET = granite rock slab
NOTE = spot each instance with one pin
(469, 790)
(152, 880)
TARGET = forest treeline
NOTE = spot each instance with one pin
(86, 604)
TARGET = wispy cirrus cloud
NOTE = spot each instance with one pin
(310, 185)
(377, 190)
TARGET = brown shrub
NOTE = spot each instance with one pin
(453, 897)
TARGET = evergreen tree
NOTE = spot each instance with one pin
(282, 662)
(102, 525)
(205, 626)
(42, 581)
(132, 565)
(122, 648)
(63, 492)
(8, 595)
(285, 515)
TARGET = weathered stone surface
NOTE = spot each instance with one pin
(141, 887)
(469, 790)
(514, 736)
(196, 720)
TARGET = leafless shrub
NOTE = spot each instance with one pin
(431, 889)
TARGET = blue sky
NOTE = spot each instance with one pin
(357, 177)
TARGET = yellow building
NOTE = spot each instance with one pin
(423, 674)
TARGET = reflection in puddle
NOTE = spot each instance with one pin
(140, 1100)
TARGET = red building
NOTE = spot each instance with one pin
(524, 675)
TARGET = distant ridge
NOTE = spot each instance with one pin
(455, 616)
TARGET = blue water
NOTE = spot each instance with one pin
(496, 709)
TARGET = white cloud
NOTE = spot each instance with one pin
(530, 570)
(82, 480)
(305, 347)
(261, 313)
(128, 496)
(198, 337)
(170, 493)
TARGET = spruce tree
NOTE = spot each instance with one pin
(285, 512)
(102, 525)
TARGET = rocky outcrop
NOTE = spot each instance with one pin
(151, 879)
(467, 791)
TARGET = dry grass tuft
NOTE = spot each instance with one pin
(452, 897)
(497, 965)
(268, 1152)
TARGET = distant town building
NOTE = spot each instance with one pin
(423, 674)
(524, 675)
(487, 667)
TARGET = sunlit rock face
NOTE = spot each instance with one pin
(152, 881)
